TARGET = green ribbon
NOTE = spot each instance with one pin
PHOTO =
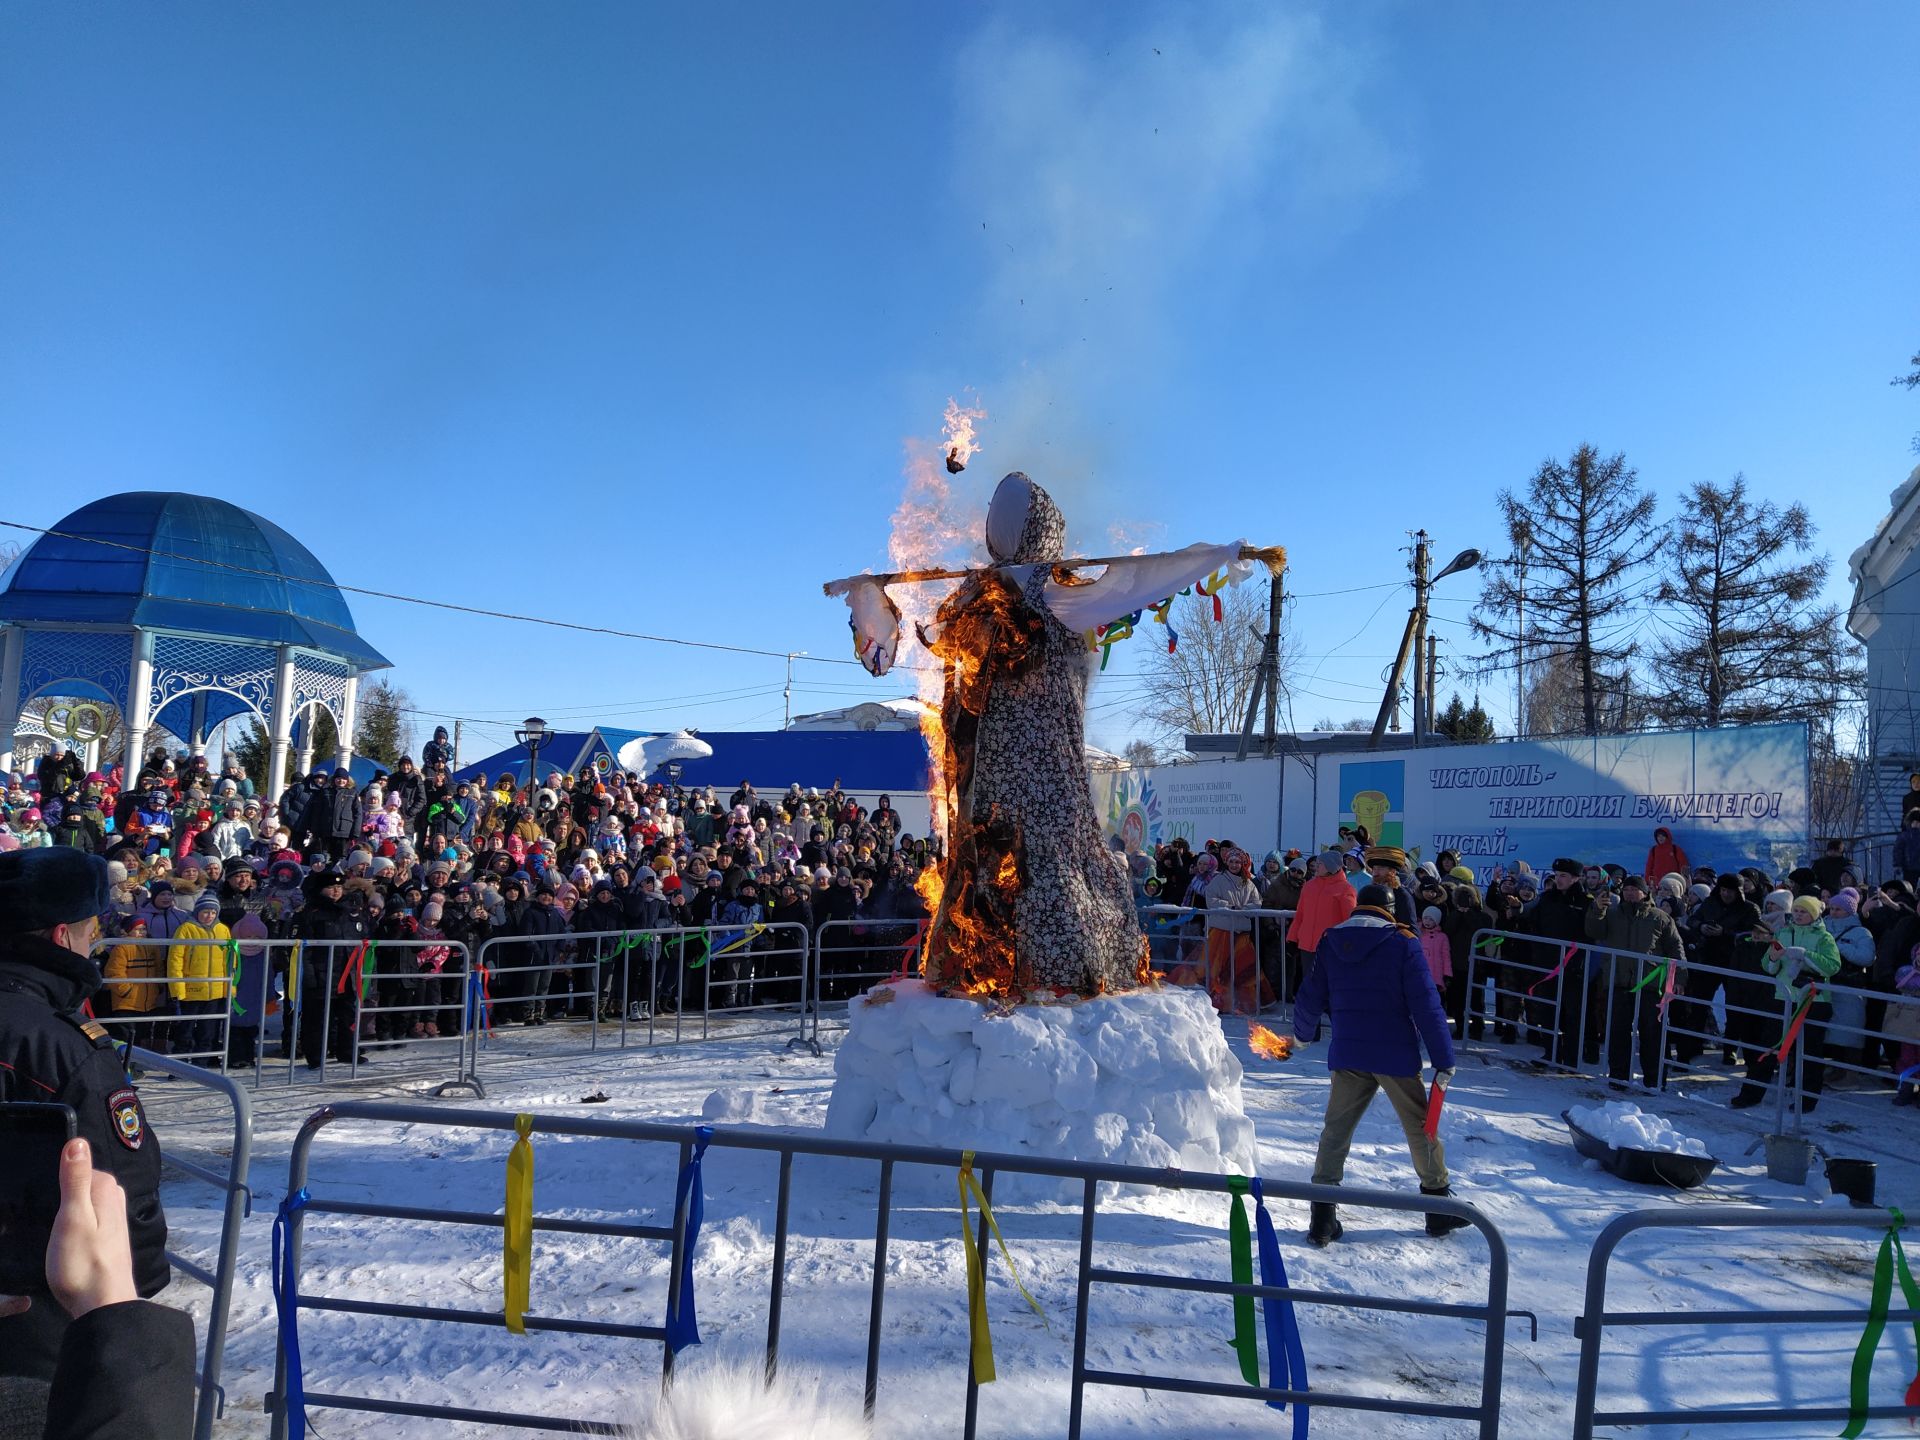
(233, 977)
(1492, 943)
(1240, 1247)
(1893, 1257)
(1647, 979)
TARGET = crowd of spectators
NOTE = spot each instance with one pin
(1762, 949)
(206, 871)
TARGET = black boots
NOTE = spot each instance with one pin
(1443, 1224)
(1325, 1226)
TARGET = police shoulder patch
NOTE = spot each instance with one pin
(94, 1030)
(125, 1119)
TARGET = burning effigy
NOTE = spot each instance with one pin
(1035, 1026)
(1031, 897)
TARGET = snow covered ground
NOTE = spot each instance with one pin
(1507, 1147)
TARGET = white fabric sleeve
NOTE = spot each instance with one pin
(1137, 581)
(876, 626)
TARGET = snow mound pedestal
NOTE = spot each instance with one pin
(1138, 1078)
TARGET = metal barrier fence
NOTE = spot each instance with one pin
(1595, 1319)
(849, 952)
(342, 986)
(1177, 940)
(1668, 1033)
(786, 1147)
(622, 979)
(212, 1400)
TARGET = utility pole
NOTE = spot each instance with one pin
(1413, 644)
(1421, 718)
(1409, 641)
(457, 723)
(786, 722)
(1433, 670)
(1267, 677)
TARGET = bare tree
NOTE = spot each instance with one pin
(1355, 726)
(1139, 754)
(1587, 530)
(1750, 641)
(1202, 686)
(1911, 380)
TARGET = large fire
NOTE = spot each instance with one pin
(1267, 1045)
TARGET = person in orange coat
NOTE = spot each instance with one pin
(1665, 858)
(1326, 900)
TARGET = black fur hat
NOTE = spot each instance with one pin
(52, 885)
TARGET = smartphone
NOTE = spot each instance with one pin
(31, 1138)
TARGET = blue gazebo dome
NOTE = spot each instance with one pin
(262, 585)
(183, 612)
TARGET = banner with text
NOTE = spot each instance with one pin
(1236, 800)
(1732, 797)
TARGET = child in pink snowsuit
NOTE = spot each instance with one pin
(1436, 947)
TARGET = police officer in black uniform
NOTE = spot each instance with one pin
(50, 903)
(323, 968)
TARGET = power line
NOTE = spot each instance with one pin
(432, 604)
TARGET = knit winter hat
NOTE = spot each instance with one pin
(1431, 915)
(1780, 900)
(207, 901)
(1807, 904)
(1462, 874)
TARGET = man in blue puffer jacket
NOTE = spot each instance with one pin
(1370, 977)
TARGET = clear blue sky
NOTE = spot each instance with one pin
(622, 313)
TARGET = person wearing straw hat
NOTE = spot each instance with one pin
(1372, 978)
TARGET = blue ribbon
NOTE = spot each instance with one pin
(1286, 1360)
(286, 1300)
(683, 1325)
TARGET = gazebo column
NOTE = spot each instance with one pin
(197, 725)
(13, 648)
(139, 708)
(303, 762)
(282, 726)
(349, 711)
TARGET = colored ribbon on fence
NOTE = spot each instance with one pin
(1658, 972)
(979, 1334)
(706, 951)
(906, 959)
(1286, 1358)
(516, 1249)
(753, 932)
(1892, 1260)
(1436, 1097)
(233, 973)
(356, 969)
(1910, 1075)
(689, 1199)
(286, 1304)
(1555, 972)
(1666, 991)
(1240, 1258)
(1799, 1019)
(1491, 944)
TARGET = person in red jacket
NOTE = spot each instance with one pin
(1325, 901)
(1665, 858)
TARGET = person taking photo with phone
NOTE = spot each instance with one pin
(50, 903)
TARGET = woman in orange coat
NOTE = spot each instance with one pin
(1325, 901)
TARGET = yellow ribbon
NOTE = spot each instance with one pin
(517, 1253)
(978, 1333)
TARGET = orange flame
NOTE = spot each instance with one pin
(1267, 1045)
(934, 529)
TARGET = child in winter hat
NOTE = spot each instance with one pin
(1436, 947)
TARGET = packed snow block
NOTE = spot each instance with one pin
(1139, 1078)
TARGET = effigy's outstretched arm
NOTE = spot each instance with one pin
(1133, 582)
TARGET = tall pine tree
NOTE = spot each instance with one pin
(1587, 529)
(1748, 640)
(383, 732)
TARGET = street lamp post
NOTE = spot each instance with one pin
(1413, 639)
(533, 734)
